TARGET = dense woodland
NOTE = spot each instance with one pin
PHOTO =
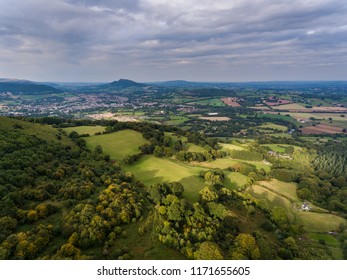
(59, 200)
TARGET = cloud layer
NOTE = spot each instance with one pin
(150, 40)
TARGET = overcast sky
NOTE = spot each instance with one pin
(155, 40)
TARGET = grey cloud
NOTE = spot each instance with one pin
(97, 34)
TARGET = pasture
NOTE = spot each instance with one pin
(91, 130)
(282, 194)
(281, 148)
(274, 127)
(218, 119)
(224, 163)
(231, 147)
(236, 179)
(285, 189)
(208, 102)
(152, 170)
(319, 222)
(293, 106)
(272, 199)
(195, 148)
(117, 144)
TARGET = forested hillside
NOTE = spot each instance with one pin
(63, 198)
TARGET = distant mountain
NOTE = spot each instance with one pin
(124, 83)
(122, 86)
(26, 87)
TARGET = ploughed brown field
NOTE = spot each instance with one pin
(231, 101)
(321, 128)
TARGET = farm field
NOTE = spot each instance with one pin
(231, 101)
(176, 120)
(273, 126)
(281, 148)
(91, 130)
(195, 148)
(321, 129)
(331, 242)
(220, 119)
(237, 180)
(152, 170)
(224, 163)
(272, 199)
(208, 102)
(336, 123)
(288, 190)
(294, 106)
(176, 137)
(319, 222)
(319, 116)
(226, 146)
(117, 144)
(282, 194)
(281, 116)
(329, 109)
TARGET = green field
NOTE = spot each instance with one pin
(335, 117)
(277, 193)
(117, 144)
(319, 222)
(281, 116)
(288, 190)
(274, 126)
(272, 199)
(231, 147)
(176, 120)
(176, 137)
(237, 180)
(195, 148)
(281, 148)
(331, 242)
(151, 170)
(224, 163)
(209, 102)
(294, 106)
(91, 130)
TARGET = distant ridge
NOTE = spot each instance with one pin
(25, 87)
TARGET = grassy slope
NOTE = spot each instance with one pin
(151, 170)
(45, 132)
(280, 148)
(231, 147)
(224, 163)
(117, 144)
(236, 179)
(294, 106)
(282, 194)
(91, 130)
(274, 126)
(288, 190)
(195, 148)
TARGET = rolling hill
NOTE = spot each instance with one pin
(26, 87)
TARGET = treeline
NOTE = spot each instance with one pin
(214, 227)
(320, 178)
(58, 200)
